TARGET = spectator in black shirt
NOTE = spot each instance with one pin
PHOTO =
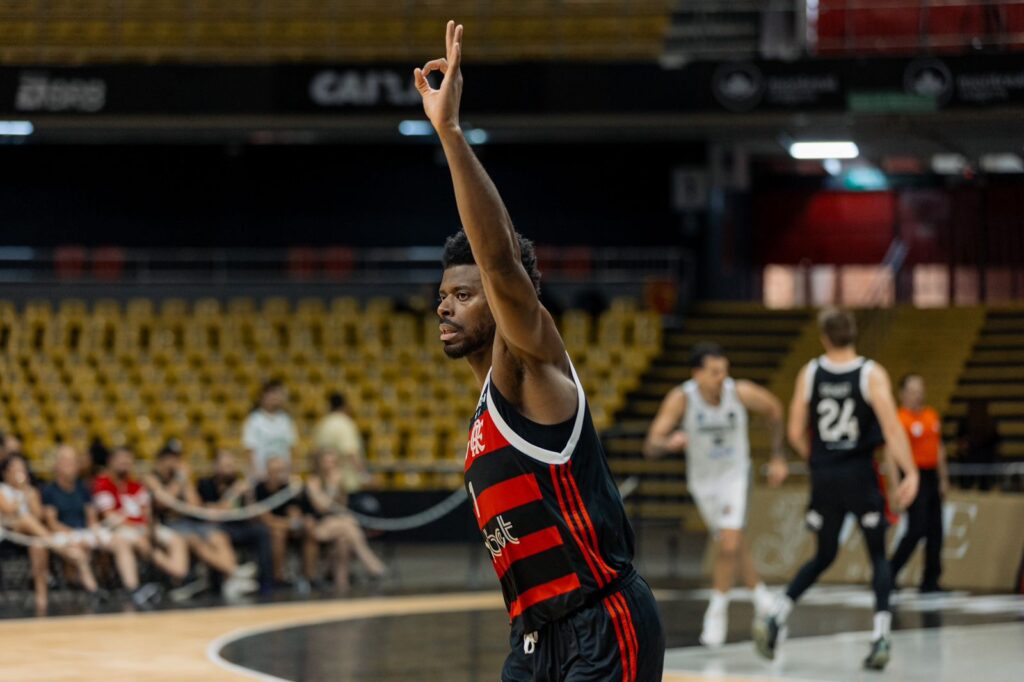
(228, 489)
(292, 521)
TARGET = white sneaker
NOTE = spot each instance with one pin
(236, 587)
(247, 570)
(716, 625)
(764, 602)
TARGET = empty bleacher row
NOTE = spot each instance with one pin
(76, 31)
(142, 372)
(994, 373)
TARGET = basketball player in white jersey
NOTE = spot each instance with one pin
(707, 418)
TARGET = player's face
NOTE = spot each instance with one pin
(712, 374)
(913, 393)
(467, 325)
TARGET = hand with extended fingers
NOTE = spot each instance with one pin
(442, 104)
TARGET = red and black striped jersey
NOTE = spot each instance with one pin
(548, 508)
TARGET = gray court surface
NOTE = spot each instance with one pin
(969, 653)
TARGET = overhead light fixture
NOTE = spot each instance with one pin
(16, 128)
(949, 164)
(823, 149)
(415, 128)
(1002, 163)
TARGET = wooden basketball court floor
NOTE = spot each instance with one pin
(462, 637)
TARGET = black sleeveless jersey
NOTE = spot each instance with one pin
(547, 507)
(844, 428)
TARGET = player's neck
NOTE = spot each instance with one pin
(842, 355)
(480, 363)
(711, 398)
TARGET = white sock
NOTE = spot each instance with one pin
(760, 592)
(719, 601)
(783, 605)
(883, 622)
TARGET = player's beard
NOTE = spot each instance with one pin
(470, 343)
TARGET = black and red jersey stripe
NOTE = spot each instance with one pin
(555, 528)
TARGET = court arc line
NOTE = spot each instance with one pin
(453, 604)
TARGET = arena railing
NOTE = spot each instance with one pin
(405, 265)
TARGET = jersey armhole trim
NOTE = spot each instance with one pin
(865, 375)
(812, 369)
(534, 451)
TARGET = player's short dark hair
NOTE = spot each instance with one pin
(839, 326)
(704, 350)
(905, 379)
(336, 400)
(458, 252)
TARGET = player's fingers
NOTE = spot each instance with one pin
(421, 81)
(449, 35)
(435, 65)
(455, 54)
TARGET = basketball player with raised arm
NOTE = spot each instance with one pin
(842, 410)
(544, 498)
(707, 417)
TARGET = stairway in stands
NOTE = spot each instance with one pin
(995, 371)
(758, 342)
(714, 29)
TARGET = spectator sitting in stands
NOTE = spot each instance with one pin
(268, 430)
(292, 520)
(228, 489)
(337, 432)
(977, 443)
(170, 482)
(21, 511)
(328, 495)
(124, 504)
(71, 513)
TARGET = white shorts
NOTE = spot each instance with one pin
(722, 502)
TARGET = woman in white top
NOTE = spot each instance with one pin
(21, 511)
(328, 497)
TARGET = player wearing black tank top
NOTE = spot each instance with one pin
(842, 410)
(545, 502)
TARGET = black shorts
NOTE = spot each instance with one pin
(619, 639)
(847, 490)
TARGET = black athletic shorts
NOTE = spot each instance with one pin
(618, 639)
(838, 491)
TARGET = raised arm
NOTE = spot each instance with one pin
(665, 437)
(796, 429)
(760, 400)
(524, 324)
(880, 394)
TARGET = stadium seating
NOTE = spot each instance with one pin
(50, 31)
(993, 372)
(143, 372)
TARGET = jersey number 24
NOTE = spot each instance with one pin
(836, 421)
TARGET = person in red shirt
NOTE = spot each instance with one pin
(924, 517)
(124, 505)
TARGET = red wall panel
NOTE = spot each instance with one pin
(822, 226)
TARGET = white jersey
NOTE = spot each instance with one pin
(719, 444)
